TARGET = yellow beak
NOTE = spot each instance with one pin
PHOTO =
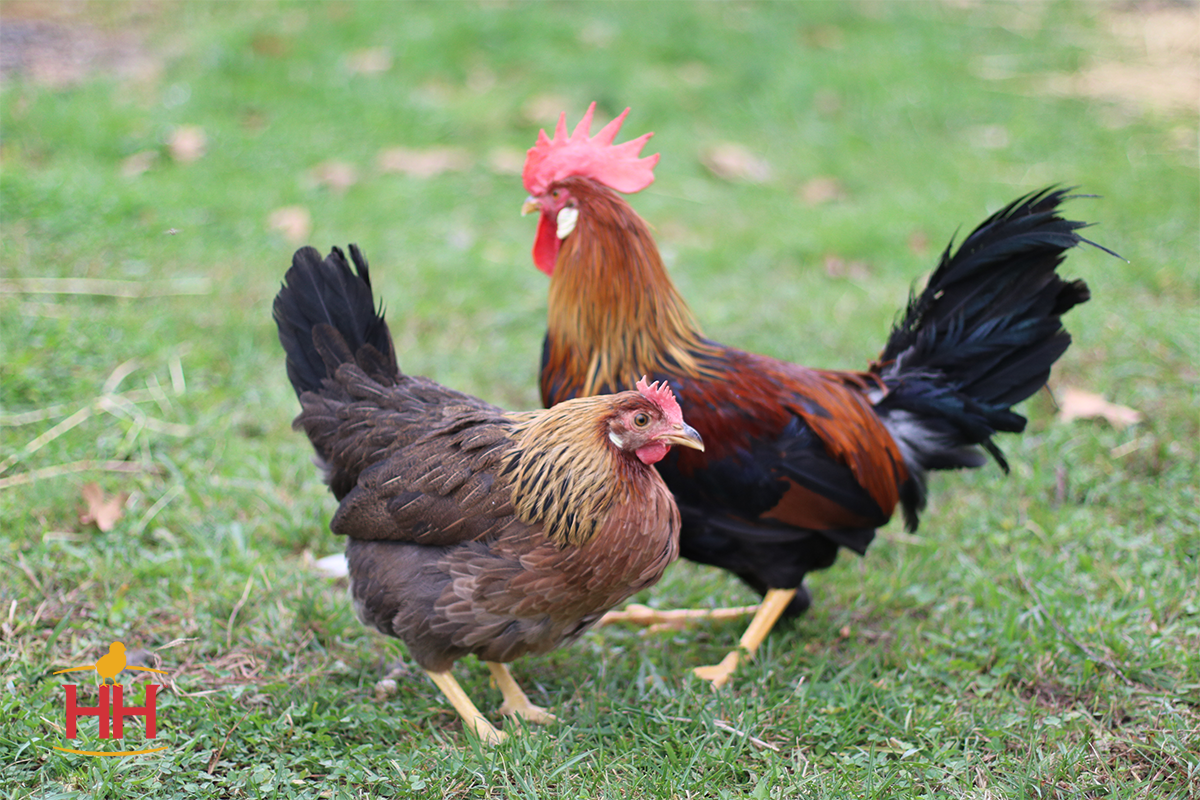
(684, 435)
(530, 206)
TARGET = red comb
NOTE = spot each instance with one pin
(661, 395)
(616, 166)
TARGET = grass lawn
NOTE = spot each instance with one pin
(1039, 637)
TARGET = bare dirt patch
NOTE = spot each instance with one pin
(1156, 67)
(61, 44)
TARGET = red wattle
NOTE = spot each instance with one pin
(545, 246)
(652, 453)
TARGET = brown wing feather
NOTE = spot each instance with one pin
(355, 422)
(430, 493)
(763, 393)
(853, 433)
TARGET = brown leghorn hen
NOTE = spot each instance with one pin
(799, 462)
(470, 529)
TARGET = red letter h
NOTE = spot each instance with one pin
(74, 711)
(119, 712)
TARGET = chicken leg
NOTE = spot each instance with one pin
(671, 619)
(773, 604)
(472, 719)
(515, 701)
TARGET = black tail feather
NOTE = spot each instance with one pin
(980, 338)
(320, 297)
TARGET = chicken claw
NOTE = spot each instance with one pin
(773, 604)
(473, 721)
(515, 701)
(719, 674)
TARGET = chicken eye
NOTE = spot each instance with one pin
(641, 420)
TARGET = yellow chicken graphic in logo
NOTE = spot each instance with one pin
(110, 665)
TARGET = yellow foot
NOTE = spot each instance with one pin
(672, 619)
(773, 604)
(719, 674)
(529, 712)
(473, 721)
(516, 704)
(485, 733)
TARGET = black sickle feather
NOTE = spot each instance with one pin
(983, 335)
(325, 291)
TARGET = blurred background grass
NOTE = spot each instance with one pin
(156, 144)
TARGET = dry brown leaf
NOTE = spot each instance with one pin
(597, 34)
(673, 231)
(827, 102)
(294, 222)
(734, 162)
(838, 267)
(694, 73)
(823, 37)
(101, 511)
(370, 61)
(423, 163)
(820, 190)
(271, 46)
(253, 120)
(336, 175)
(989, 137)
(918, 243)
(544, 110)
(138, 163)
(187, 143)
(481, 80)
(506, 160)
(1079, 404)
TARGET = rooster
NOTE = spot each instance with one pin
(799, 462)
(471, 529)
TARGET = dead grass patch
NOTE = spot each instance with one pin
(1155, 69)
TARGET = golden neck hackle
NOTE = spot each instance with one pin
(555, 462)
(614, 314)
